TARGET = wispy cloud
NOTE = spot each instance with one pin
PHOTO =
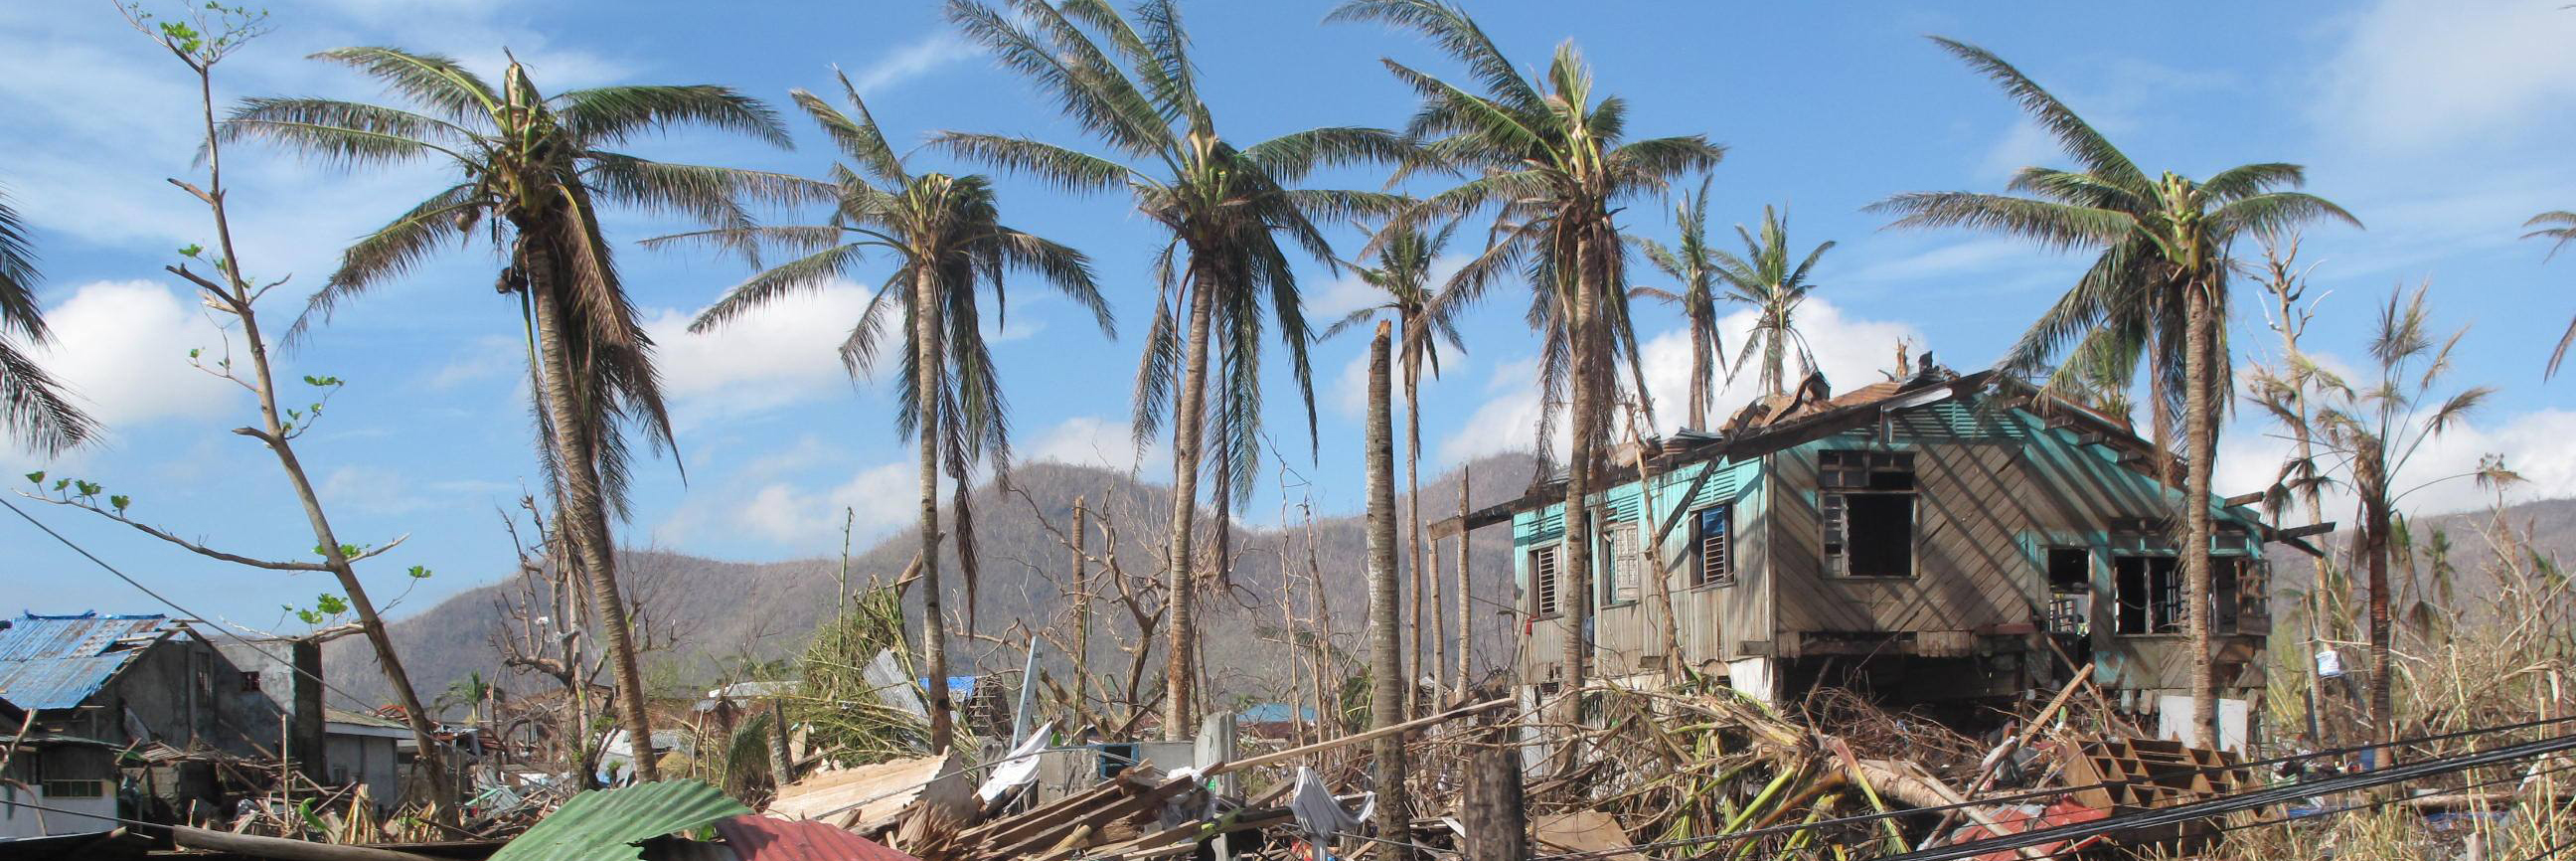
(922, 57)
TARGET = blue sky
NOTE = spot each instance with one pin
(2442, 126)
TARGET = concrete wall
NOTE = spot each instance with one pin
(367, 758)
(59, 763)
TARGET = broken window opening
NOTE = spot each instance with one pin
(2070, 587)
(1716, 563)
(1542, 578)
(1619, 546)
(2149, 589)
(1867, 504)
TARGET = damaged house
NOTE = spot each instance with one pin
(1937, 540)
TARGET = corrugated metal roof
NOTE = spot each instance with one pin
(607, 825)
(762, 838)
(56, 662)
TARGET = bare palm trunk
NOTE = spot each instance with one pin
(1181, 579)
(1576, 593)
(2374, 542)
(1386, 656)
(1422, 657)
(1703, 370)
(1466, 599)
(585, 519)
(2200, 411)
(927, 429)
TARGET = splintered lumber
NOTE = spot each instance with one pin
(874, 794)
(281, 848)
(1077, 822)
(1354, 738)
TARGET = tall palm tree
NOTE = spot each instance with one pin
(33, 407)
(1547, 156)
(1765, 279)
(1693, 266)
(2156, 294)
(532, 171)
(1129, 81)
(2558, 225)
(948, 241)
(1405, 255)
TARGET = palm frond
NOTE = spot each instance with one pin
(2078, 138)
(1063, 168)
(606, 116)
(433, 80)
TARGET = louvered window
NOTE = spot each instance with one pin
(1619, 542)
(1542, 577)
(1716, 563)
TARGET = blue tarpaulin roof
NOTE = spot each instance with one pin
(56, 662)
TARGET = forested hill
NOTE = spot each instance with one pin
(733, 613)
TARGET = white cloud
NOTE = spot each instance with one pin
(1851, 352)
(764, 359)
(1350, 387)
(2414, 73)
(1095, 441)
(122, 347)
(921, 57)
(2026, 145)
(882, 498)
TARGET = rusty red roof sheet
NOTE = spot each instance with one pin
(752, 837)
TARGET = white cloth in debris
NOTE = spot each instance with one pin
(1318, 813)
(1021, 767)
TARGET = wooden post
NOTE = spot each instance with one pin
(1497, 823)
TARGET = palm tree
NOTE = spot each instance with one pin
(1764, 279)
(946, 235)
(2559, 225)
(532, 172)
(2376, 429)
(33, 407)
(1548, 158)
(2157, 293)
(1693, 266)
(1225, 268)
(1405, 256)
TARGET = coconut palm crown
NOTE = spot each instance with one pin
(33, 406)
(947, 240)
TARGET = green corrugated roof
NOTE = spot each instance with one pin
(606, 825)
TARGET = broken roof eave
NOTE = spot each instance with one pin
(1806, 429)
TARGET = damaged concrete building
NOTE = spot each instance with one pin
(1940, 539)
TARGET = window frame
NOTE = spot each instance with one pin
(1612, 558)
(1700, 575)
(1837, 483)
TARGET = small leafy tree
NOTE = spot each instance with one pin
(200, 40)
